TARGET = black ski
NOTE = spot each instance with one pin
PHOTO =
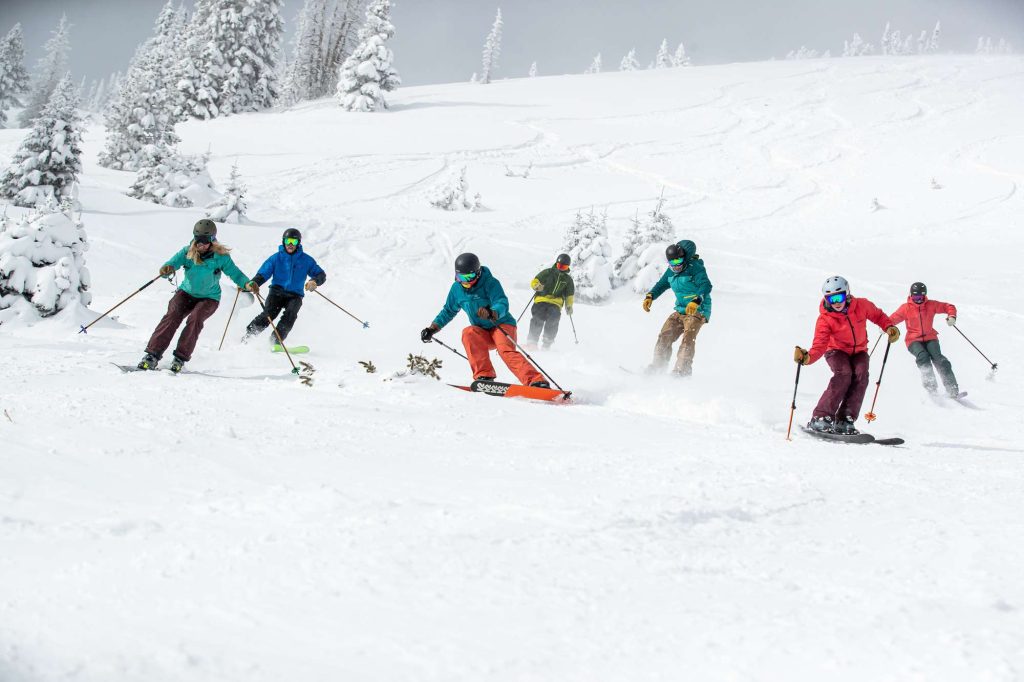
(859, 439)
(132, 368)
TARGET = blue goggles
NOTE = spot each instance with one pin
(836, 298)
(466, 277)
(676, 262)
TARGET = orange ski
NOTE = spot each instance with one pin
(496, 388)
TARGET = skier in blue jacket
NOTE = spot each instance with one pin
(287, 269)
(689, 281)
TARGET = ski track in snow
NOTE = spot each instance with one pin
(380, 527)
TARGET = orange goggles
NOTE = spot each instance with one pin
(563, 268)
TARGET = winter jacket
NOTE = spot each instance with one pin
(919, 318)
(202, 280)
(559, 288)
(486, 293)
(690, 284)
(290, 270)
(845, 331)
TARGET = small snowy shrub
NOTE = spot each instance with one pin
(172, 179)
(453, 193)
(231, 207)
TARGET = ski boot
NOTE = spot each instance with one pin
(484, 379)
(845, 427)
(821, 425)
(148, 361)
(177, 365)
(540, 384)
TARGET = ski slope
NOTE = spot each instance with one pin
(163, 528)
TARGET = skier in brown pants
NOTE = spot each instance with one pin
(688, 279)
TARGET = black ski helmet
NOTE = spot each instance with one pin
(467, 263)
(293, 233)
(205, 228)
(563, 259)
(918, 289)
(674, 251)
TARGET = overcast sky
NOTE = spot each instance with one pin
(440, 40)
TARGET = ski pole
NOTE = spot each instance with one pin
(527, 307)
(532, 361)
(84, 329)
(573, 329)
(994, 365)
(295, 370)
(228, 323)
(437, 340)
(876, 344)
(792, 408)
(870, 416)
(365, 324)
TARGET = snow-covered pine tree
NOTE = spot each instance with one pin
(533, 70)
(302, 81)
(586, 242)
(629, 62)
(171, 179)
(492, 50)
(13, 76)
(643, 258)
(198, 67)
(42, 259)
(933, 42)
(231, 207)
(368, 73)
(886, 41)
(663, 60)
(680, 58)
(857, 47)
(595, 66)
(49, 71)
(90, 96)
(47, 164)
(452, 193)
(1004, 46)
(250, 37)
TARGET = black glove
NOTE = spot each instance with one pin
(427, 335)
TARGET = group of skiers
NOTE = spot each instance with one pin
(840, 334)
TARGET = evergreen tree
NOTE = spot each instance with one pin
(231, 207)
(595, 66)
(49, 71)
(532, 73)
(197, 69)
(680, 58)
(933, 42)
(857, 47)
(302, 80)
(171, 179)
(663, 60)
(13, 76)
(642, 259)
(340, 41)
(42, 260)
(492, 50)
(367, 74)
(629, 62)
(586, 242)
(47, 164)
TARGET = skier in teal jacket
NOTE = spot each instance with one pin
(688, 279)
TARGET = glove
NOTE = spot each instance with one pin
(648, 300)
(166, 270)
(569, 310)
(486, 313)
(951, 321)
(252, 286)
(801, 356)
(894, 334)
(538, 287)
(691, 308)
(427, 335)
(310, 285)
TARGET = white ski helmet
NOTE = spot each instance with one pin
(834, 285)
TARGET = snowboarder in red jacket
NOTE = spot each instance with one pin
(923, 341)
(841, 336)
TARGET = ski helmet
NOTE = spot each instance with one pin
(291, 233)
(204, 231)
(674, 251)
(834, 285)
(467, 269)
(563, 259)
(918, 289)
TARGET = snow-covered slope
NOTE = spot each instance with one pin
(192, 528)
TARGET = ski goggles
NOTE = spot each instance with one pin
(466, 277)
(291, 241)
(204, 239)
(917, 298)
(676, 262)
(562, 267)
(836, 298)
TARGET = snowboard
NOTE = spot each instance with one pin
(502, 390)
(294, 350)
(860, 438)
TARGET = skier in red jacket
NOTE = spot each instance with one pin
(923, 341)
(841, 336)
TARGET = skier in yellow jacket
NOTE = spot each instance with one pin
(555, 290)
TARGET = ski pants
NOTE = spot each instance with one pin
(677, 324)
(845, 392)
(479, 343)
(277, 300)
(928, 353)
(182, 305)
(545, 318)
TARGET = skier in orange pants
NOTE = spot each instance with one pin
(480, 295)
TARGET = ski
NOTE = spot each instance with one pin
(860, 438)
(294, 350)
(502, 390)
(128, 369)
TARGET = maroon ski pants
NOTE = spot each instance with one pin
(845, 392)
(182, 305)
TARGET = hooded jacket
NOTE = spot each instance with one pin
(845, 331)
(290, 270)
(689, 284)
(486, 293)
(920, 317)
(202, 279)
(559, 288)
